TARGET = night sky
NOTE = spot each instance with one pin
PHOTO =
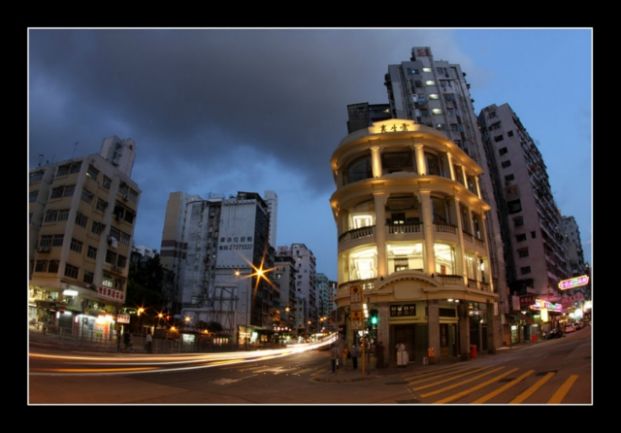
(227, 110)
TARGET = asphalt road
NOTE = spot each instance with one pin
(551, 372)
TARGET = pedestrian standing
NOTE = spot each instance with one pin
(354, 356)
(118, 338)
(149, 343)
(127, 339)
(379, 354)
(334, 354)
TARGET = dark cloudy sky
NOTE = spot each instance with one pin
(226, 110)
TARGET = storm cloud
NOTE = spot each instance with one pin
(193, 95)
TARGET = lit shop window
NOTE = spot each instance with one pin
(403, 256)
(362, 220)
(471, 267)
(445, 259)
(363, 264)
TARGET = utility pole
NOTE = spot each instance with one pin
(363, 362)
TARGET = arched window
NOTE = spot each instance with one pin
(358, 169)
(397, 160)
(434, 165)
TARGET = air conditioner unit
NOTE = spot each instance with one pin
(113, 242)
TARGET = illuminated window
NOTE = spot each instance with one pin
(426, 69)
(402, 256)
(436, 111)
(430, 83)
(445, 259)
(471, 267)
(433, 96)
(362, 220)
(363, 264)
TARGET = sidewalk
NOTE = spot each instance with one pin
(348, 374)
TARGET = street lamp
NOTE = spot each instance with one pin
(140, 311)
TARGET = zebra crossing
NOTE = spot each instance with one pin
(491, 384)
(261, 369)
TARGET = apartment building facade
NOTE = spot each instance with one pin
(82, 214)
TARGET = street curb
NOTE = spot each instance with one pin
(344, 380)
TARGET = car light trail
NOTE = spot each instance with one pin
(163, 364)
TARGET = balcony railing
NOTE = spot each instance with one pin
(359, 233)
(367, 284)
(484, 285)
(404, 228)
(446, 228)
(472, 284)
(468, 236)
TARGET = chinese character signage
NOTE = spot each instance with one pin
(111, 294)
(572, 283)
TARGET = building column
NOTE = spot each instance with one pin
(476, 182)
(376, 161)
(433, 326)
(465, 176)
(380, 231)
(486, 242)
(383, 329)
(449, 160)
(464, 330)
(421, 165)
(493, 330)
(430, 262)
(460, 241)
(338, 174)
(470, 223)
(343, 221)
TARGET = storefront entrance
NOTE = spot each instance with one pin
(448, 340)
(414, 337)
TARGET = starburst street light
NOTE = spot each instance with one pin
(259, 273)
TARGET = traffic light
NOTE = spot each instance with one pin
(374, 318)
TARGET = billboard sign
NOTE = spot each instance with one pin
(572, 283)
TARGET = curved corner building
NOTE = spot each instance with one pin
(412, 244)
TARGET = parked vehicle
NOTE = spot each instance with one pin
(554, 333)
(570, 328)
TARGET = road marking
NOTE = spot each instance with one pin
(426, 374)
(455, 385)
(530, 391)
(225, 381)
(449, 378)
(560, 393)
(503, 388)
(475, 388)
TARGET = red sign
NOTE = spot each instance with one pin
(526, 301)
(112, 294)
